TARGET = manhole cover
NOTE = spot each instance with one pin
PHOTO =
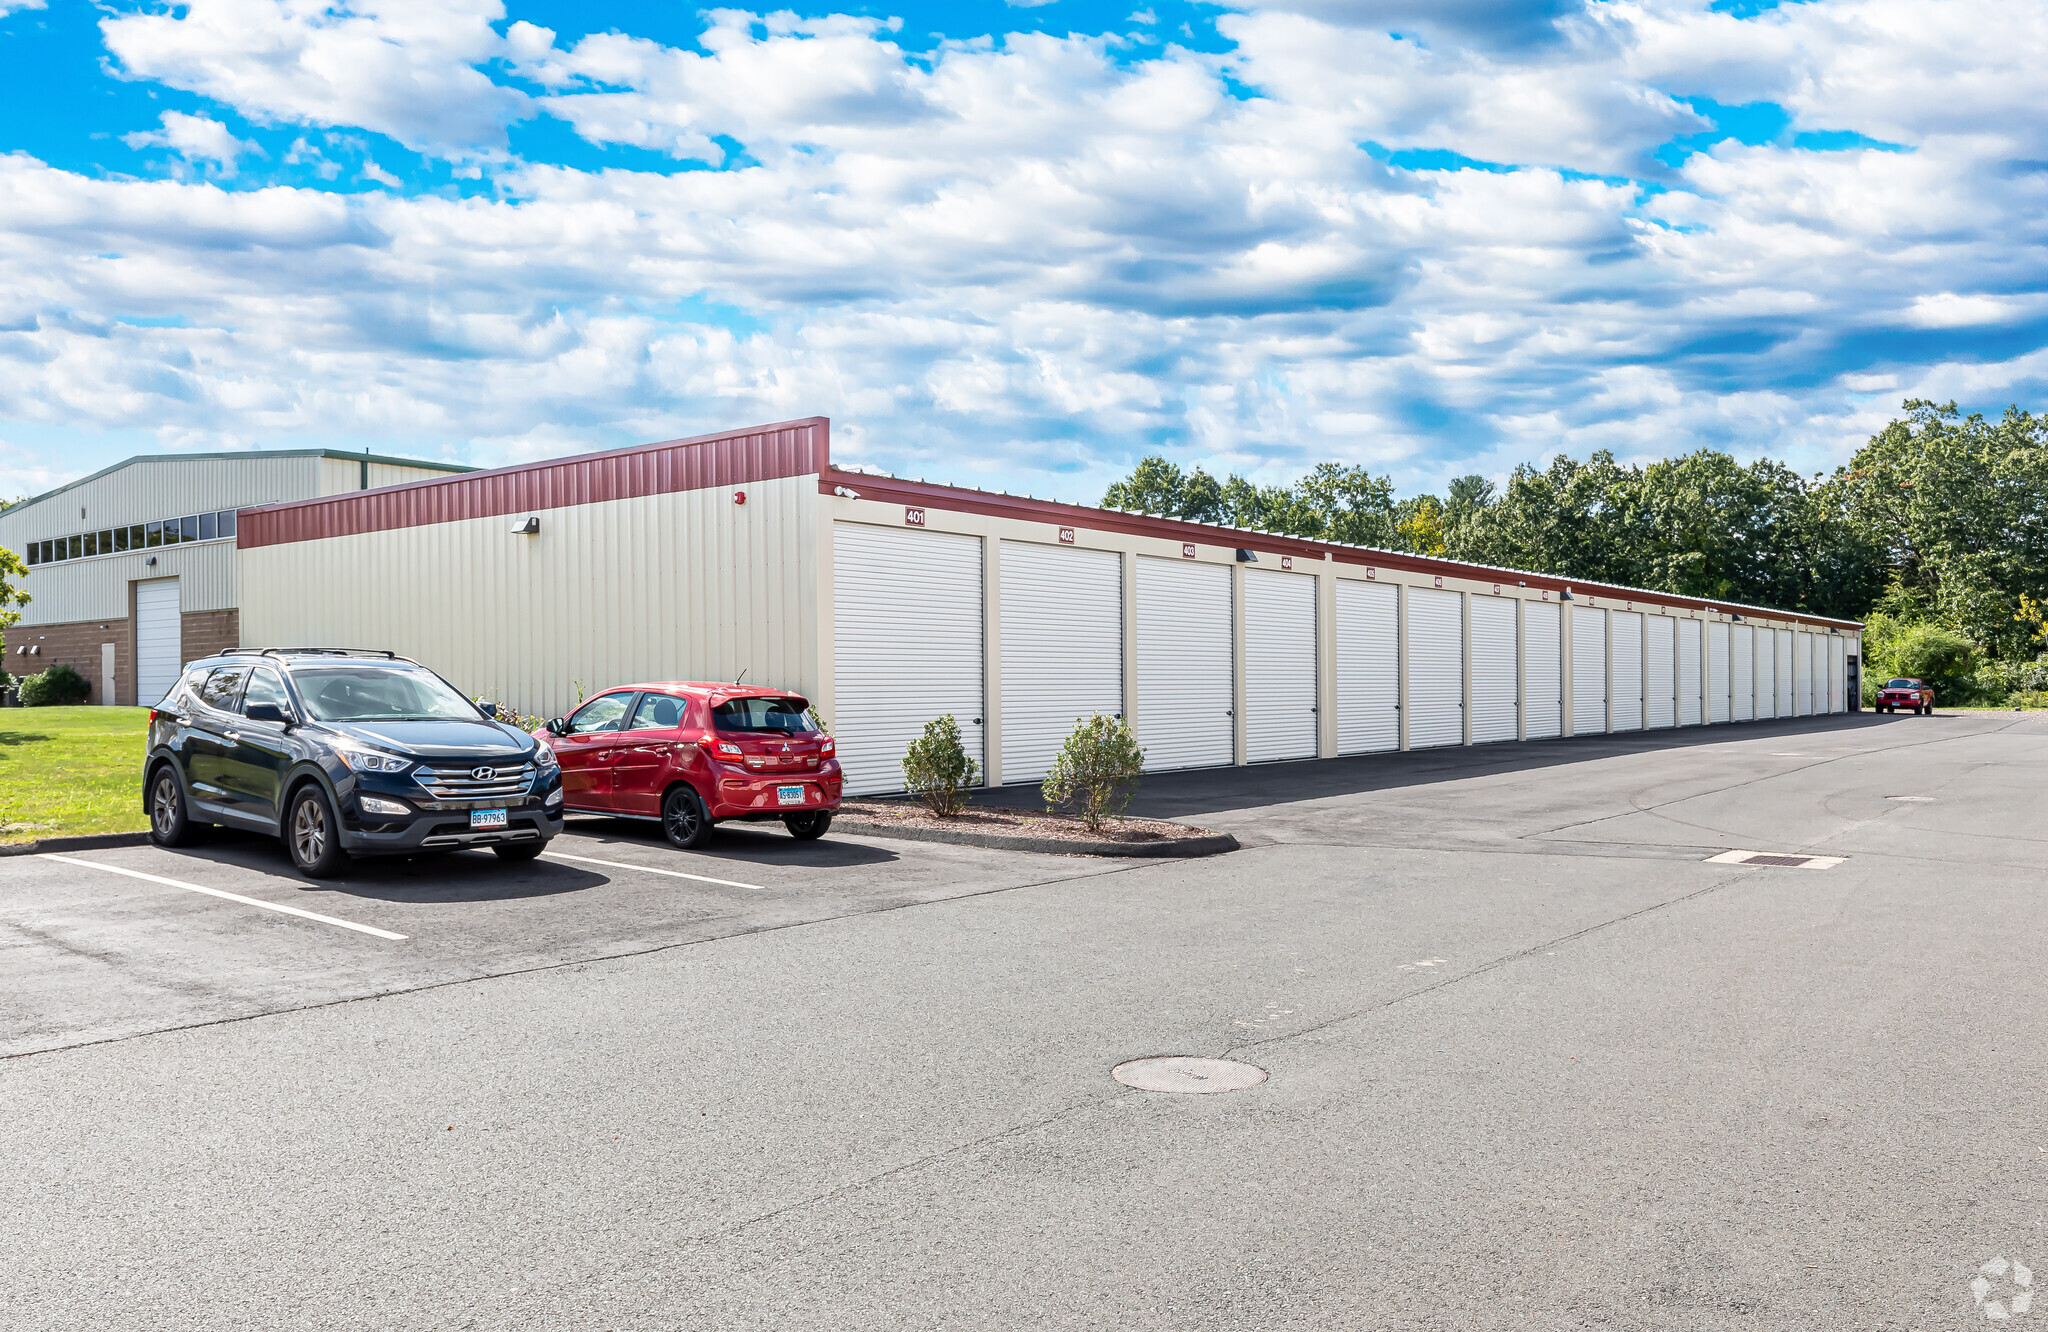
(1187, 1075)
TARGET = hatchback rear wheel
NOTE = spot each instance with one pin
(808, 827)
(313, 835)
(684, 820)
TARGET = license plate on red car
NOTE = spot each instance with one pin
(789, 795)
(487, 818)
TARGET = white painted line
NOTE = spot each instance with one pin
(232, 897)
(649, 869)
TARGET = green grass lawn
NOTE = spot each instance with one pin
(65, 772)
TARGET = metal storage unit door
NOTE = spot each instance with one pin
(1542, 669)
(1368, 668)
(1493, 669)
(1690, 689)
(1741, 673)
(1786, 706)
(1717, 671)
(907, 646)
(1182, 677)
(1436, 668)
(1628, 671)
(1802, 674)
(1838, 675)
(1063, 648)
(1589, 670)
(1279, 665)
(1660, 679)
(159, 640)
(1766, 673)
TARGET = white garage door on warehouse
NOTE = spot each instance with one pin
(1717, 672)
(1838, 675)
(1787, 707)
(1741, 673)
(1802, 674)
(1691, 689)
(1628, 671)
(1589, 670)
(1766, 673)
(1368, 644)
(1063, 648)
(1279, 666)
(1493, 669)
(1542, 669)
(1660, 673)
(1183, 680)
(1436, 668)
(907, 645)
(159, 640)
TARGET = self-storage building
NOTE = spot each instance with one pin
(891, 602)
(132, 569)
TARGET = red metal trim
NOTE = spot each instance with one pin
(925, 494)
(733, 457)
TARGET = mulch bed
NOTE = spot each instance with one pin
(1018, 823)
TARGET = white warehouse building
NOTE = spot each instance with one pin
(891, 602)
(132, 569)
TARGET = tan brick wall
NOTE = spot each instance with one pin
(201, 634)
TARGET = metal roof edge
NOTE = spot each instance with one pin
(933, 493)
(224, 455)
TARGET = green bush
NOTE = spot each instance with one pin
(60, 686)
(1096, 772)
(937, 770)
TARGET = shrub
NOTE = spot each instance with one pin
(1096, 772)
(60, 686)
(936, 768)
(1944, 660)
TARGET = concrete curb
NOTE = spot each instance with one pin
(1179, 848)
(96, 842)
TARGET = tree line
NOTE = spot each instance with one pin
(1933, 532)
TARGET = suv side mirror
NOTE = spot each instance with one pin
(556, 726)
(267, 712)
(488, 708)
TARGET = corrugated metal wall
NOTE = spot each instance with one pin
(97, 588)
(166, 487)
(673, 586)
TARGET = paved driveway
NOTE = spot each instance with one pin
(1535, 1060)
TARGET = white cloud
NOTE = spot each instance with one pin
(1945, 309)
(198, 140)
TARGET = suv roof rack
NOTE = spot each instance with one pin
(385, 653)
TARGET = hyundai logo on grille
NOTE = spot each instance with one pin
(484, 774)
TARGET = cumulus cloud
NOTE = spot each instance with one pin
(1022, 261)
(200, 140)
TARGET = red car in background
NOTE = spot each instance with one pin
(1904, 693)
(692, 753)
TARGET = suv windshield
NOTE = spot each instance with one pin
(380, 694)
(762, 714)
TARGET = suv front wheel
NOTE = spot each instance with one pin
(313, 834)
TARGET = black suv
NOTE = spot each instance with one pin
(342, 752)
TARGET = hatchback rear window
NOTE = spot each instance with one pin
(763, 714)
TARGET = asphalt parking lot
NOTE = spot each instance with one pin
(1536, 1060)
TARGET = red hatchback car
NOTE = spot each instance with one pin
(691, 753)
(1904, 693)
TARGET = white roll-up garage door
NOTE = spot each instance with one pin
(1691, 689)
(1279, 665)
(1182, 677)
(1802, 674)
(1741, 673)
(1589, 670)
(1838, 674)
(907, 646)
(1493, 669)
(1368, 643)
(159, 640)
(1766, 675)
(1436, 668)
(1660, 673)
(1542, 669)
(1063, 648)
(1628, 671)
(1717, 671)
(1787, 706)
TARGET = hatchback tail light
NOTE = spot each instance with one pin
(826, 748)
(722, 748)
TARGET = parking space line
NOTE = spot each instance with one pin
(216, 892)
(649, 869)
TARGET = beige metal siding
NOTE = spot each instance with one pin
(97, 588)
(155, 488)
(686, 585)
(338, 476)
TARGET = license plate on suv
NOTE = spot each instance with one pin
(789, 795)
(487, 818)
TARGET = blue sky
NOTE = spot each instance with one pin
(1015, 245)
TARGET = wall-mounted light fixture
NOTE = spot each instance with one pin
(1566, 595)
(151, 561)
(528, 526)
(1246, 557)
(843, 493)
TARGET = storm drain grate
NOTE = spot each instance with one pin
(1774, 860)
